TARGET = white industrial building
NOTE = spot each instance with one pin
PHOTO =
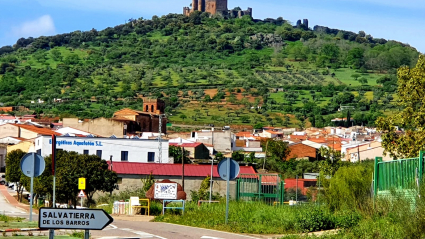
(126, 150)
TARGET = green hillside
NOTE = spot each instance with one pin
(283, 69)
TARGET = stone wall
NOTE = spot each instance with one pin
(133, 182)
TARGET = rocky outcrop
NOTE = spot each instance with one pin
(272, 40)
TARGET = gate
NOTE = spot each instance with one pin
(402, 175)
(268, 188)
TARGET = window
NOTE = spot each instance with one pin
(124, 155)
(99, 153)
(85, 152)
(39, 151)
(119, 181)
(151, 156)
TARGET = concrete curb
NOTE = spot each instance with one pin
(21, 230)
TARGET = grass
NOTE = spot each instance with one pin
(7, 222)
(256, 218)
(279, 98)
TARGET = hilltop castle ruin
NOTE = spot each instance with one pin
(215, 7)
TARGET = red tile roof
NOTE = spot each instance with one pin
(186, 145)
(35, 129)
(190, 170)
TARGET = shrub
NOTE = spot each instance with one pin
(314, 218)
(346, 219)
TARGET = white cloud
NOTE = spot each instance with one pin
(42, 26)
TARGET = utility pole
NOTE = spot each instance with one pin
(160, 137)
(183, 168)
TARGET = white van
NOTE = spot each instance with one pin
(2, 179)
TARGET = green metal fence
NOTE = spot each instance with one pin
(268, 188)
(401, 174)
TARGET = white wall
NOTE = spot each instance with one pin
(137, 148)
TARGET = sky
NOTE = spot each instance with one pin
(389, 19)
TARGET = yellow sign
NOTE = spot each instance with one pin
(82, 183)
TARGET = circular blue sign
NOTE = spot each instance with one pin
(32, 165)
(222, 169)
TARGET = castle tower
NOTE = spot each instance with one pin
(201, 5)
(194, 5)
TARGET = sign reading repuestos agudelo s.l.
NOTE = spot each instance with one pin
(78, 219)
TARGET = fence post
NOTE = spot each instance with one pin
(238, 182)
(421, 165)
(375, 176)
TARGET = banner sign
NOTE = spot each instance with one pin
(165, 191)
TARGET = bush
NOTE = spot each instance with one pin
(346, 219)
(314, 218)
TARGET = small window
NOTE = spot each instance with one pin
(99, 153)
(151, 156)
(124, 155)
(85, 152)
(39, 151)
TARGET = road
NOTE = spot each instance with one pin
(10, 210)
(136, 229)
(158, 230)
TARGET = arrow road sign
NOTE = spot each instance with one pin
(75, 219)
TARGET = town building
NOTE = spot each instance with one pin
(216, 7)
(126, 150)
(125, 122)
(196, 150)
(24, 131)
(222, 141)
(130, 175)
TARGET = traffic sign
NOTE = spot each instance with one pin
(222, 169)
(82, 183)
(32, 165)
(81, 194)
(74, 219)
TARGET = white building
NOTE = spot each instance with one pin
(126, 150)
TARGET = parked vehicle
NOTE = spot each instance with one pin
(2, 179)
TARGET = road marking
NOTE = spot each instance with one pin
(207, 237)
(235, 234)
(115, 227)
(140, 233)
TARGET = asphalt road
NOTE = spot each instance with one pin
(7, 209)
(136, 229)
(158, 230)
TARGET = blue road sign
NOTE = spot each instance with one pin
(222, 169)
(32, 165)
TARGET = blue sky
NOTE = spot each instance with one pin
(390, 19)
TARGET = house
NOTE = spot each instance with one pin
(222, 141)
(24, 131)
(124, 122)
(196, 150)
(115, 149)
(303, 184)
(365, 151)
(302, 151)
(130, 175)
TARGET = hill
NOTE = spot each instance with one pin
(258, 70)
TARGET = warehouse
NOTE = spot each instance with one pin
(126, 150)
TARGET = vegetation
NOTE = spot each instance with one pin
(411, 97)
(208, 70)
(69, 167)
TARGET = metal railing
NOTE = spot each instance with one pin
(268, 188)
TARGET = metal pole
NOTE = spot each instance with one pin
(227, 190)
(211, 176)
(31, 199)
(86, 234)
(52, 231)
(265, 157)
(183, 168)
(296, 191)
(81, 202)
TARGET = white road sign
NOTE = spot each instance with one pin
(165, 191)
(77, 219)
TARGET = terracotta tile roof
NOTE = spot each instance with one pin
(186, 145)
(128, 111)
(35, 129)
(190, 170)
(244, 134)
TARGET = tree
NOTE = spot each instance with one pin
(356, 76)
(363, 81)
(276, 148)
(70, 166)
(183, 117)
(177, 153)
(238, 156)
(219, 156)
(13, 169)
(411, 95)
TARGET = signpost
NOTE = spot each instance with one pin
(32, 165)
(228, 169)
(165, 191)
(74, 219)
